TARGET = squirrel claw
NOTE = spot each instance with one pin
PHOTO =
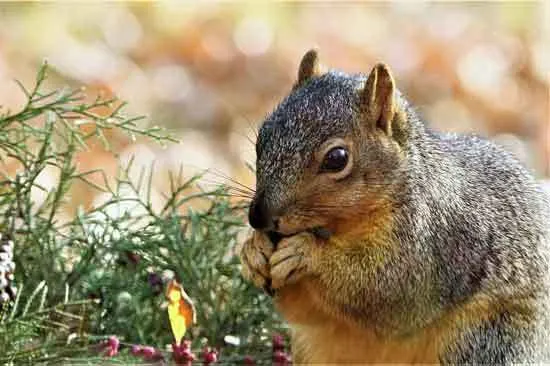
(292, 260)
(254, 258)
(256, 278)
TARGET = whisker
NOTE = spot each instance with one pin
(244, 194)
(235, 196)
(252, 127)
(247, 137)
(230, 188)
(220, 174)
(250, 166)
(238, 189)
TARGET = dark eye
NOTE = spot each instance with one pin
(335, 160)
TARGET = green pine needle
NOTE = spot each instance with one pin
(100, 272)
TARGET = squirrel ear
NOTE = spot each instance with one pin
(309, 67)
(377, 98)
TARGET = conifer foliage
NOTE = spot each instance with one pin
(89, 284)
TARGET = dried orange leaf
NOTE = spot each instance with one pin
(181, 310)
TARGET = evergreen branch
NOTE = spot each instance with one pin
(117, 253)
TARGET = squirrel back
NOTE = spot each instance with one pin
(419, 235)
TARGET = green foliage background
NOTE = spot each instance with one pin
(103, 271)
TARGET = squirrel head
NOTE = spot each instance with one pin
(330, 152)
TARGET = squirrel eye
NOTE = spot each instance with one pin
(335, 160)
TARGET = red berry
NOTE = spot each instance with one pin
(278, 356)
(248, 360)
(210, 357)
(188, 355)
(278, 342)
(148, 351)
(281, 358)
(182, 353)
(178, 349)
(113, 342)
(136, 350)
(111, 345)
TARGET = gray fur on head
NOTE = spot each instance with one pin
(324, 107)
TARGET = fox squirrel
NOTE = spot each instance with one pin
(385, 241)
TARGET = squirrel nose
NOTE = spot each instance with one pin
(259, 216)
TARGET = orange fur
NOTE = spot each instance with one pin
(324, 336)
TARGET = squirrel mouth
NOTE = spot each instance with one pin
(318, 231)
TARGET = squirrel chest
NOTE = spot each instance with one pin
(321, 338)
(320, 335)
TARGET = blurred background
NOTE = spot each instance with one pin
(210, 72)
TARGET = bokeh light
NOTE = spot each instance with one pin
(211, 71)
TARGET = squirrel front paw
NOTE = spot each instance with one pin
(292, 260)
(254, 256)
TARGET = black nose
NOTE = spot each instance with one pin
(258, 214)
